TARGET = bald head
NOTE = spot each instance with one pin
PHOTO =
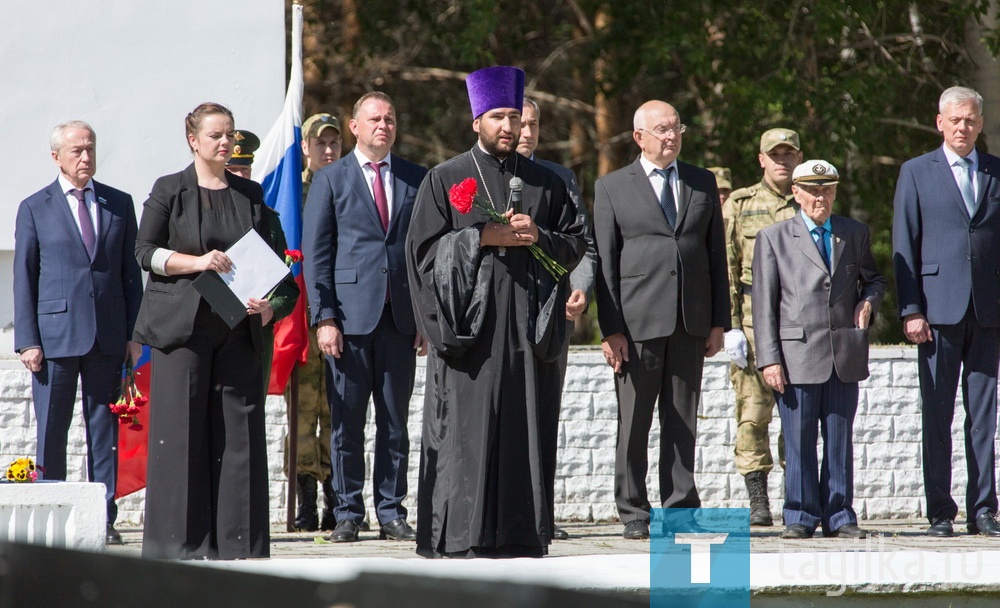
(648, 110)
(657, 131)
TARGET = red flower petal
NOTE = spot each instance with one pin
(462, 195)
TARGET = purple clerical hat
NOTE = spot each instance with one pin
(497, 87)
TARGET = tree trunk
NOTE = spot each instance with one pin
(604, 117)
(985, 75)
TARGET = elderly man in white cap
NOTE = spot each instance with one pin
(493, 316)
(815, 291)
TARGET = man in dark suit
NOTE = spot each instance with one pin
(354, 234)
(662, 304)
(815, 291)
(581, 284)
(77, 289)
(946, 254)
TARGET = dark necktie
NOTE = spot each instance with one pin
(667, 202)
(821, 244)
(381, 202)
(86, 223)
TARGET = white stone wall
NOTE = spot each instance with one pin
(888, 480)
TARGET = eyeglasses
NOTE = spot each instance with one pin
(661, 131)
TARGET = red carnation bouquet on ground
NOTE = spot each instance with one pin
(130, 399)
(462, 197)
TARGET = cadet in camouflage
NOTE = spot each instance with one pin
(746, 212)
(321, 145)
(723, 179)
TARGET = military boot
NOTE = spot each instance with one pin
(328, 522)
(760, 507)
(306, 518)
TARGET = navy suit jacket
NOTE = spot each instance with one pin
(348, 257)
(941, 256)
(63, 300)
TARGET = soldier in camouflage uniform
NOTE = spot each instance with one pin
(747, 211)
(321, 145)
(724, 180)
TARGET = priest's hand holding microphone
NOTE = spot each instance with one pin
(521, 231)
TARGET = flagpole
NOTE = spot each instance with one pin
(293, 389)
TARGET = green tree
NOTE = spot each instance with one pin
(859, 81)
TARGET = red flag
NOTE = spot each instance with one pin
(133, 445)
(278, 168)
(291, 343)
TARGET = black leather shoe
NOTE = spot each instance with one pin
(559, 534)
(986, 525)
(345, 532)
(636, 530)
(365, 526)
(941, 526)
(797, 531)
(849, 531)
(397, 529)
(113, 537)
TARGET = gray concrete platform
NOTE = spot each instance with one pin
(898, 563)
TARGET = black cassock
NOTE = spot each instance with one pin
(494, 317)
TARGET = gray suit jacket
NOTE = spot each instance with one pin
(648, 268)
(583, 275)
(803, 315)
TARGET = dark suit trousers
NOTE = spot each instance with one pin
(382, 365)
(817, 495)
(974, 351)
(668, 369)
(53, 390)
(207, 483)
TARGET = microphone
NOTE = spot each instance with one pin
(516, 185)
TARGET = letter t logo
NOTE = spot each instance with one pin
(701, 553)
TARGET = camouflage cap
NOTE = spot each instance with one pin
(772, 138)
(815, 173)
(723, 177)
(246, 144)
(317, 123)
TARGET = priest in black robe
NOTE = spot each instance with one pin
(493, 315)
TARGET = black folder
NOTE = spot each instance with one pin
(222, 299)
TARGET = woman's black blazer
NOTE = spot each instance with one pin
(170, 218)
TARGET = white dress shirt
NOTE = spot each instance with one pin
(656, 180)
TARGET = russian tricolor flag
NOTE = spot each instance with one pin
(278, 168)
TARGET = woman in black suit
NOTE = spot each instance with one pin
(207, 494)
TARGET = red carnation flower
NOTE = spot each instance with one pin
(463, 194)
(135, 426)
(141, 400)
(125, 420)
(293, 256)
